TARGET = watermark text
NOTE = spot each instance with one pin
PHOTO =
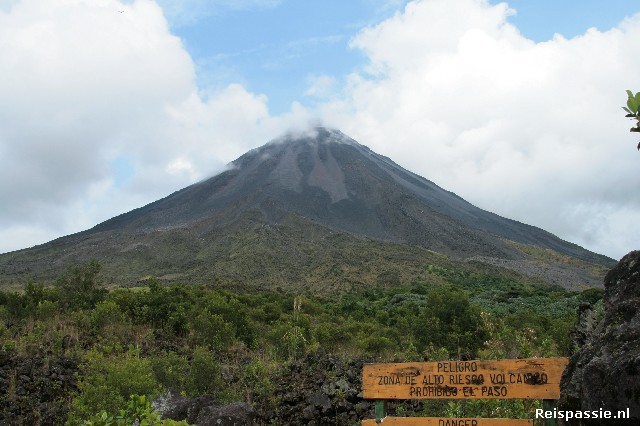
(581, 414)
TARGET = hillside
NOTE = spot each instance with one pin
(318, 212)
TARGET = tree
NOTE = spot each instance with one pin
(449, 320)
(632, 109)
(212, 331)
(79, 288)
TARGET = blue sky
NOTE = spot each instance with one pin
(541, 19)
(107, 105)
(277, 47)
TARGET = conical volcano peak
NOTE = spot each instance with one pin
(307, 163)
(315, 135)
(295, 143)
(305, 185)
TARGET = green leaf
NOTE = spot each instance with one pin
(627, 109)
(637, 98)
(630, 93)
(633, 105)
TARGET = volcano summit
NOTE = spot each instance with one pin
(295, 212)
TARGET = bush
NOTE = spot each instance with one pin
(108, 382)
(212, 330)
(331, 336)
(205, 376)
(46, 310)
(138, 411)
(256, 381)
(171, 370)
(79, 287)
(375, 345)
(451, 321)
(105, 312)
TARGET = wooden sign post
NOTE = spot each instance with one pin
(533, 378)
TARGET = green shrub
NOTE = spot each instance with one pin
(105, 312)
(256, 381)
(171, 370)
(331, 336)
(79, 287)
(289, 339)
(46, 310)
(451, 321)
(107, 383)
(212, 330)
(205, 376)
(592, 295)
(137, 411)
(375, 345)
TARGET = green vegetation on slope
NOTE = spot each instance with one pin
(202, 340)
(296, 254)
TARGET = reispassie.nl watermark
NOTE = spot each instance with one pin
(581, 414)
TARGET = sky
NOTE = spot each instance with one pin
(107, 105)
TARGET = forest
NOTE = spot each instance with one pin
(73, 352)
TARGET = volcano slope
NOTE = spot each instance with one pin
(309, 212)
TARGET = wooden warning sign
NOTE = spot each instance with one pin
(434, 421)
(532, 378)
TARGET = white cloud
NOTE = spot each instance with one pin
(85, 88)
(532, 131)
(320, 86)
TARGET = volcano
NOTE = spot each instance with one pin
(286, 213)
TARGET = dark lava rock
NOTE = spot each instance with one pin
(605, 373)
(585, 325)
(235, 414)
(35, 390)
(319, 389)
(172, 405)
(203, 410)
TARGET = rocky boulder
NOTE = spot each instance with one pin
(203, 410)
(318, 389)
(35, 390)
(322, 389)
(605, 372)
